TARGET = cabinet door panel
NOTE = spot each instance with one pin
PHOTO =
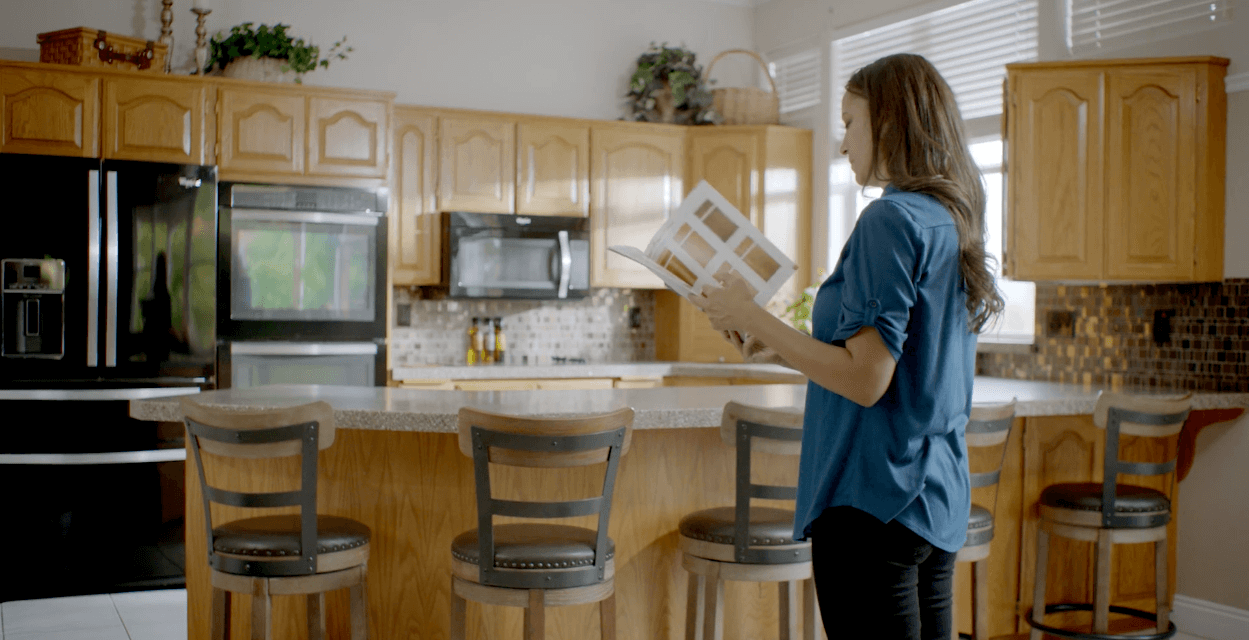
(554, 163)
(1055, 177)
(1150, 173)
(262, 131)
(415, 243)
(156, 120)
(476, 164)
(49, 113)
(730, 164)
(635, 181)
(347, 137)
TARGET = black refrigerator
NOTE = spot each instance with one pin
(109, 295)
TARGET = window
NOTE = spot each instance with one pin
(797, 80)
(1100, 25)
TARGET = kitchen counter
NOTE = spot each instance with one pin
(599, 370)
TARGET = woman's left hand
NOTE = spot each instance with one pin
(728, 305)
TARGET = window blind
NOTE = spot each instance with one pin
(1094, 25)
(797, 80)
(969, 43)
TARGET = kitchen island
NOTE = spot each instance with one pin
(395, 466)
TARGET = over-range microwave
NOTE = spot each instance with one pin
(488, 255)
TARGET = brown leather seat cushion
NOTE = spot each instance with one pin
(277, 536)
(768, 526)
(533, 546)
(979, 526)
(1087, 496)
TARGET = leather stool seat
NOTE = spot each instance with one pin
(979, 526)
(278, 536)
(768, 526)
(1151, 507)
(533, 546)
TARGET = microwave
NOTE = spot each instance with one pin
(487, 255)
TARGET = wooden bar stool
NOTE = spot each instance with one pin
(988, 428)
(753, 544)
(528, 564)
(293, 554)
(1109, 513)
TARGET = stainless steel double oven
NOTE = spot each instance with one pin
(301, 286)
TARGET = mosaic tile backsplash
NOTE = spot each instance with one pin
(597, 329)
(1172, 336)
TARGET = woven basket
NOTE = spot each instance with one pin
(92, 48)
(746, 105)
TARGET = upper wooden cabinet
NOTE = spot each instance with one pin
(160, 120)
(49, 112)
(1115, 170)
(636, 182)
(262, 131)
(347, 136)
(476, 163)
(415, 240)
(553, 167)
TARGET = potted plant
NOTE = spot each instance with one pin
(268, 53)
(668, 87)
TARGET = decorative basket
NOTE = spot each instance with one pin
(746, 105)
(92, 48)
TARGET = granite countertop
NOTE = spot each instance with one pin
(397, 409)
(599, 370)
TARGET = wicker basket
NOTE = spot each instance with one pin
(746, 105)
(92, 48)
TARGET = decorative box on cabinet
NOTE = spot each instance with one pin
(636, 182)
(553, 167)
(476, 162)
(48, 111)
(1116, 170)
(415, 239)
(155, 119)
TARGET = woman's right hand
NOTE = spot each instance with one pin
(753, 351)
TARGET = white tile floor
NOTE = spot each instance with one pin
(139, 615)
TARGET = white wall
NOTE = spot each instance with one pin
(551, 57)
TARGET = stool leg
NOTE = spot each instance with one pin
(980, 600)
(262, 613)
(1038, 591)
(694, 607)
(1161, 571)
(535, 616)
(714, 609)
(316, 616)
(810, 612)
(787, 595)
(458, 614)
(1101, 586)
(607, 617)
(360, 607)
(220, 626)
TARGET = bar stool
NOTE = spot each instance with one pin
(295, 554)
(535, 565)
(988, 427)
(752, 544)
(1109, 513)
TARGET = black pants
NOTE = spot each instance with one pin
(879, 580)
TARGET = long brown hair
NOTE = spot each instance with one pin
(918, 140)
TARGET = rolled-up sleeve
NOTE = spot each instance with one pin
(879, 265)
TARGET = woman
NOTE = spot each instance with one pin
(883, 490)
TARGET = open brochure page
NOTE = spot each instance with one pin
(705, 237)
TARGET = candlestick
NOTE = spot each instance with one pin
(201, 39)
(166, 32)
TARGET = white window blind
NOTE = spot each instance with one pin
(1094, 25)
(969, 43)
(797, 80)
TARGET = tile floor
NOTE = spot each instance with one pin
(138, 615)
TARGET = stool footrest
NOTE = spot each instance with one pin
(1081, 635)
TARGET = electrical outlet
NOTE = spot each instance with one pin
(1060, 324)
(635, 318)
(1162, 326)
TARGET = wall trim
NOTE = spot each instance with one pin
(1208, 620)
(1238, 82)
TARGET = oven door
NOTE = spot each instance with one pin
(252, 364)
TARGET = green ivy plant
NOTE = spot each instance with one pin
(798, 313)
(662, 68)
(271, 42)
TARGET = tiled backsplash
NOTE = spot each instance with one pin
(596, 328)
(1112, 337)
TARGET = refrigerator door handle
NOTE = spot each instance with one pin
(93, 268)
(110, 295)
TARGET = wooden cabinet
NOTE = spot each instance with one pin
(347, 136)
(261, 130)
(1116, 170)
(636, 182)
(49, 112)
(553, 167)
(476, 163)
(415, 238)
(155, 119)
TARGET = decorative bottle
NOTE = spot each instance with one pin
(487, 330)
(474, 344)
(500, 343)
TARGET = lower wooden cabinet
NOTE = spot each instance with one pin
(684, 334)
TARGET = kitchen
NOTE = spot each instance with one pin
(508, 83)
